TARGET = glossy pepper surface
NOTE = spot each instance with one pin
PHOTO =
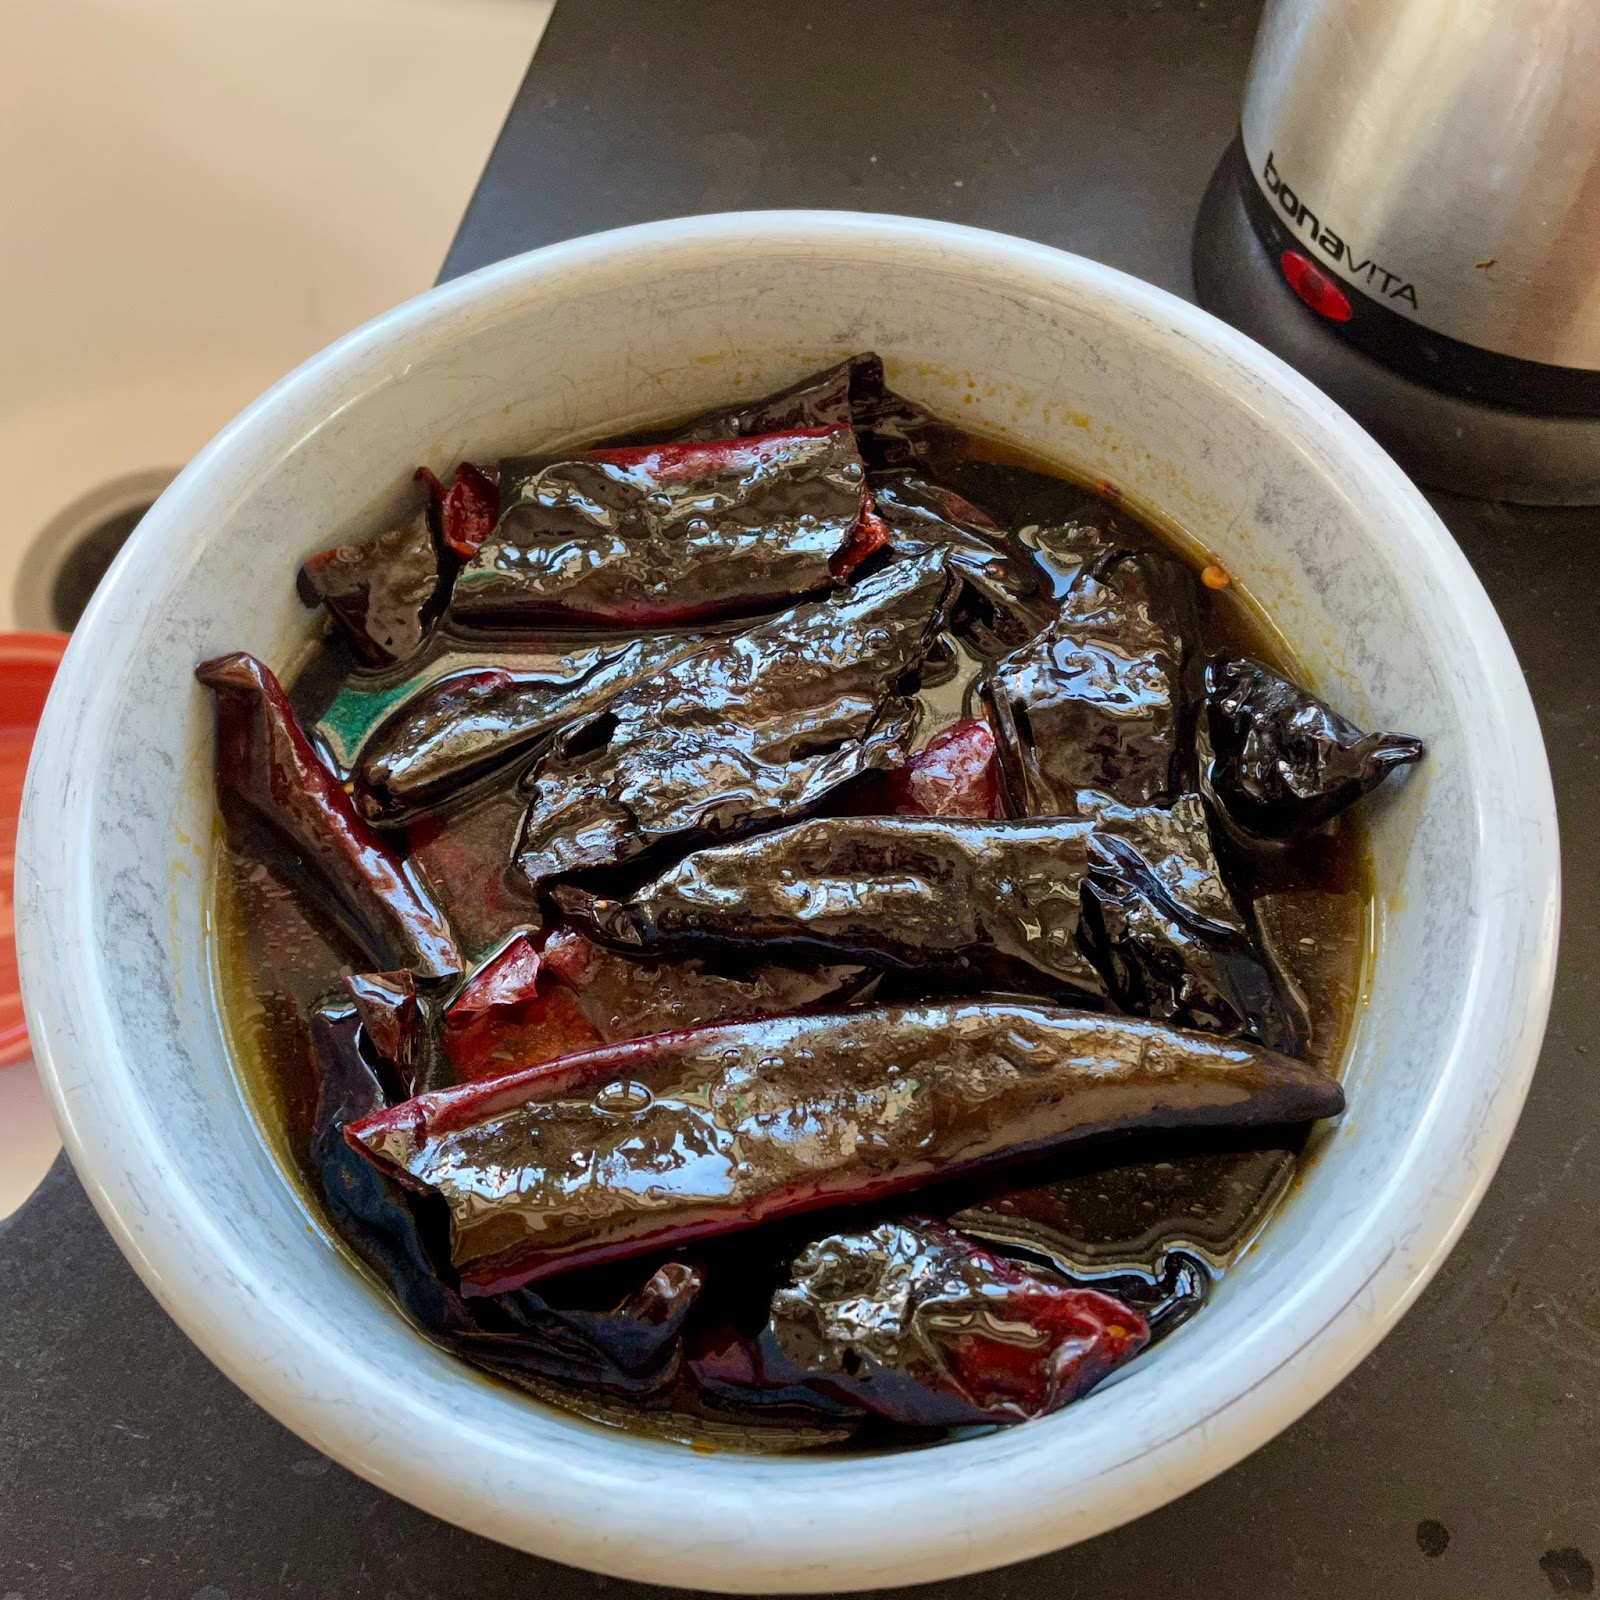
(1277, 761)
(643, 1146)
(918, 1324)
(670, 534)
(282, 805)
(385, 592)
(751, 730)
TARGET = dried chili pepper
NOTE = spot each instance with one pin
(642, 1146)
(1127, 904)
(752, 729)
(1097, 702)
(282, 805)
(466, 726)
(632, 1347)
(920, 1325)
(998, 899)
(1277, 762)
(659, 535)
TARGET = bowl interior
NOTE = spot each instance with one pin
(1081, 365)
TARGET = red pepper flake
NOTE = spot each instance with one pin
(1215, 577)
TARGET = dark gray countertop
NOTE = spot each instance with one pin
(1462, 1459)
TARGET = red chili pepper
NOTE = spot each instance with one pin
(755, 727)
(955, 774)
(283, 806)
(635, 1147)
(917, 1323)
(669, 533)
(505, 1018)
(869, 535)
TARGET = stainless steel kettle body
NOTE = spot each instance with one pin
(1426, 173)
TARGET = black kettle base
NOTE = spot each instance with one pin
(1440, 439)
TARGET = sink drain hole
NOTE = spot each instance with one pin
(85, 565)
(65, 563)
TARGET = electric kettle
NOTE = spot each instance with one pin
(1411, 214)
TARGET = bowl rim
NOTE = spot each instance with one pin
(796, 1523)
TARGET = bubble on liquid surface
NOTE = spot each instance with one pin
(623, 1098)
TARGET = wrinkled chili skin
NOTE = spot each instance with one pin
(639, 1147)
(920, 1325)
(1126, 906)
(633, 1348)
(755, 728)
(892, 431)
(1164, 933)
(1005, 604)
(468, 725)
(1277, 762)
(629, 999)
(666, 535)
(459, 729)
(1096, 703)
(385, 592)
(555, 1035)
(283, 806)
(998, 898)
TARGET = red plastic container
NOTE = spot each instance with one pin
(28, 663)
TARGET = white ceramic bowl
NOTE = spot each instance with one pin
(1083, 364)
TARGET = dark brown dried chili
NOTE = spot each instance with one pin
(283, 806)
(642, 1146)
(754, 728)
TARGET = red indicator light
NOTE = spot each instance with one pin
(1315, 287)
